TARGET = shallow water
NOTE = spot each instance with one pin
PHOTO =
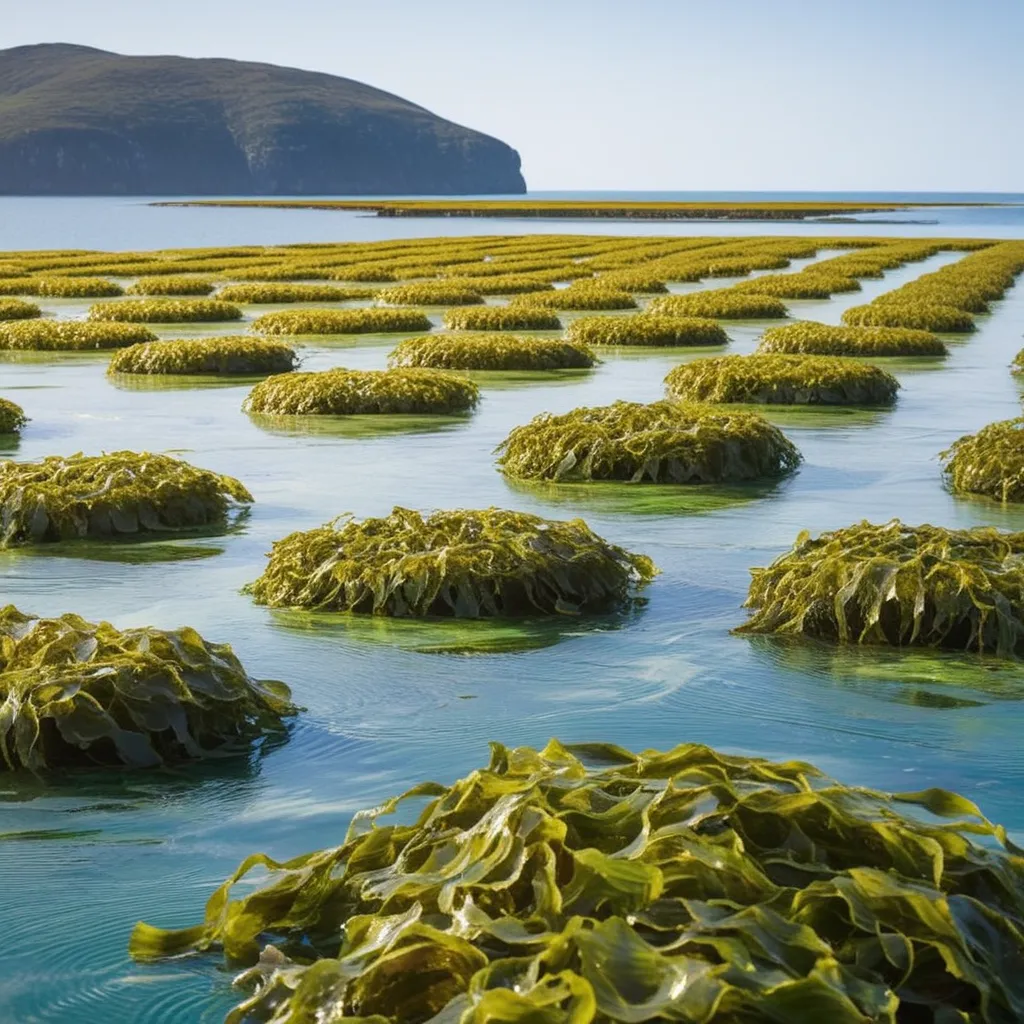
(388, 703)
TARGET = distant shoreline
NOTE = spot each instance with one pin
(582, 210)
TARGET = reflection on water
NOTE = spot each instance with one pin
(125, 551)
(91, 855)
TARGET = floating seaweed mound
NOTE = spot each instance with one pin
(782, 379)
(71, 335)
(806, 284)
(504, 284)
(270, 293)
(665, 442)
(105, 496)
(342, 392)
(578, 296)
(721, 304)
(491, 350)
(171, 284)
(239, 354)
(809, 338)
(12, 417)
(897, 584)
(466, 564)
(647, 329)
(430, 293)
(17, 309)
(1017, 366)
(76, 288)
(917, 315)
(342, 321)
(165, 311)
(989, 462)
(588, 884)
(502, 318)
(78, 693)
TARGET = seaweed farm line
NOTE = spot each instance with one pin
(388, 703)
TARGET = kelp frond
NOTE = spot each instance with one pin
(587, 884)
(77, 693)
(462, 563)
(491, 350)
(897, 584)
(989, 462)
(665, 442)
(103, 496)
(343, 392)
(782, 379)
(239, 354)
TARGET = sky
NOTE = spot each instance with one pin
(916, 95)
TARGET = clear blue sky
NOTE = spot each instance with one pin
(646, 94)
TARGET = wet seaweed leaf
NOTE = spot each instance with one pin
(589, 884)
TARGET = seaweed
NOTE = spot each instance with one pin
(342, 392)
(502, 318)
(342, 321)
(106, 496)
(783, 379)
(581, 295)
(76, 287)
(721, 304)
(12, 417)
(78, 693)
(459, 563)
(665, 442)
(653, 329)
(165, 311)
(989, 462)
(587, 884)
(240, 354)
(915, 315)
(899, 585)
(16, 309)
(430, 293)
(504, 284)
(810, 338)
(491, 350)
(273, 293)
(170, 284)
(71, 335)
(807, 284)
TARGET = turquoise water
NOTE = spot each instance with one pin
(389, 704)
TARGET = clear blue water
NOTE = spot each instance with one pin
(83, 862)
(134, 223)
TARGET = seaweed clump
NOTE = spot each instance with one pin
(589, 884)
(71, 335)
(491, 350)
(897, 584)
(113, 495)
(782, 379)
(171, 284)
(721, 304)
(342, 321)
(76, 288)
(270, 293)
(989, 462)
(241, 354)
(501, 318)
(12, 417)
(17, 309)
(78, 693)
(918, 316)
(430, 293)
(460, 563)
(342, 392)
(665, 442)
(652, 329)
(165, 311)
(810, 338)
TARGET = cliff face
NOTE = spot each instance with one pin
(79, 121)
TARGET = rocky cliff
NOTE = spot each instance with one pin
(80, 121)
